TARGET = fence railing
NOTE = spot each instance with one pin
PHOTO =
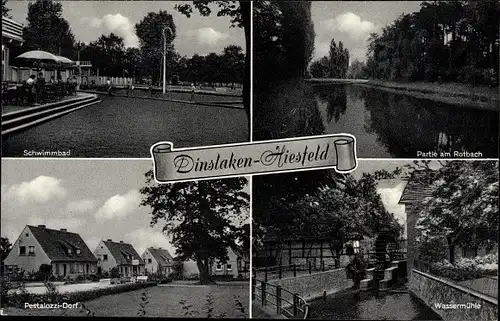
(287, 303)
(282, 271)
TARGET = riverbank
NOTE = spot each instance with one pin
(480, 97)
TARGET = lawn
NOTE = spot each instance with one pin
(164, 301)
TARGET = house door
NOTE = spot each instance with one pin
(64, 269)
(88, 268)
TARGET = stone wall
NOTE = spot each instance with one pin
(434, 290)
(312, 286)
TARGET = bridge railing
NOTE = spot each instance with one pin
(287, 303)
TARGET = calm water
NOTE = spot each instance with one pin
(385, 124)
(128, 127)
(390, 306)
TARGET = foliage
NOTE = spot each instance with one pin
(144, 303)
(200, 216)
(356, 70)
(285, 32)
(178, 269)
(114, 273)
(5, 10)
(241, 16)
(187, 308)
(338, 209)
(150, 33)
(18, 299)
(443, 41)
(466, 268)
(463, 208)
(356, 269)
(338, 60)
(47, 30)
(5, 247)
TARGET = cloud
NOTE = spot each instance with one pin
(71, 224)
(321, 49)
(40, 190)
(144, 238)
(81, 206)
(119, 206)
(207, 36)
(115, 23)
(349, 23)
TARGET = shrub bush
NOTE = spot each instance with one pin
(467, 268)
(193, 276)
(18, 299)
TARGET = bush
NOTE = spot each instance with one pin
(467, 268)
(18, 299)
(193, 276)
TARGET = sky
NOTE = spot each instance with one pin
(352, 22)
(90, 19)
(97, 199)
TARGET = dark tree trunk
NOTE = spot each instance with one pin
(246, 18)
(451, 249)
(205, 277)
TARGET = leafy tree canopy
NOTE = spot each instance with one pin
(201, 217)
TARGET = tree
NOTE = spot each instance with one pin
(150, 33)
(47, 30)
(200, 216)
(5, 247)
(463, 208)
(107, 54)
(233, 63)
(241, 15)
(5, 10)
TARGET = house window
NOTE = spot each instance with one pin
(69, 251)
(72, 268)
(57, 269)
(22, 250)
(105, 257)
(27, 235)
(31, 250)
(218, 267)
(92, 268)
(149, 260)
(229, 267)
(78, 251)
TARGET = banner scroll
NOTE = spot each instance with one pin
(337, 151)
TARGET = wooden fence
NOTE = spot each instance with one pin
(286, 303)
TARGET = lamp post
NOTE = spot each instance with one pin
(165, 58)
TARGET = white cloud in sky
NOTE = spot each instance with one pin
(349, 23)
(115, 23)
(144, 238)
(321, 49)
(81, 206)
(40, 190)
(119, 206)
(390, 197)
(207, 36)
(72, 224)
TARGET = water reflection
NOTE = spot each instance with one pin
(405, 125)
(385, 124)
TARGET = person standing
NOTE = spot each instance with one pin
(110, 86)
(193, 89)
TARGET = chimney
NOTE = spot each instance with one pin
(110, 240)
(121, 241)
(64, 230)
(42, 226)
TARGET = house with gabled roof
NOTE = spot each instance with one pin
(158, 260)
(65, 251)
(121, 255)
(237, 265)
